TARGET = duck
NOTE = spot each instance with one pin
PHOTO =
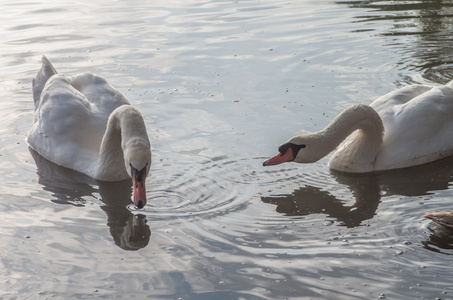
(410, 126)
(85, 124)
(444, 219)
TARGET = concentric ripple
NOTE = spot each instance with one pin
(214, 186)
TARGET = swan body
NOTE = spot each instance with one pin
(407, 127)
(85, 124)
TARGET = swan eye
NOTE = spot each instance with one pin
(139, 174)
(284, 148)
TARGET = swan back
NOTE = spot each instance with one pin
(103, 97)
(417, 131)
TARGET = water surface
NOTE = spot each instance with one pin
(220, 85)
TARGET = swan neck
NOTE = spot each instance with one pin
(111, 152)
(125, 129)
(358, 117)
(359, 152)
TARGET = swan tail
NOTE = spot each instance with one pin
(47, 71)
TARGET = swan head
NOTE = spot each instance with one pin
(300, 149)
(137, 159)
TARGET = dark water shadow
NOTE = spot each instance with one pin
(68, 187)
(419, 31)
(310, 199)
(366, 191)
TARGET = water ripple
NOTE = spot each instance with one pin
(213, 187)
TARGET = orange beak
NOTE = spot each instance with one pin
(139, 187)
(280, 158)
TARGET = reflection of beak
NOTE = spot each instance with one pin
(138, 186)
(280, 158)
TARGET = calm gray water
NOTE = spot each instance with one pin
(220, 85)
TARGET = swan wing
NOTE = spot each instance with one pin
(387, 106)
(103, 97)
(46, 71)
(66, 131)
(418, 127)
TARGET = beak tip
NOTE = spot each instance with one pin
(140, 204)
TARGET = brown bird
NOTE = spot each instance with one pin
(441, 218)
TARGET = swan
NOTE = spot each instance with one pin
(406, 127)
(85, 124)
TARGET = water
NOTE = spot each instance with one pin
(220, 85)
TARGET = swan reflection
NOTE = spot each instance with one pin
(129, 231)
(366, 191)
(314, 200)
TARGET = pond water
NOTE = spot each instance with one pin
(221, 84)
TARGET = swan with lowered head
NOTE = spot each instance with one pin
(85, 124)
(407, 127)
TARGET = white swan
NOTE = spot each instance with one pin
(85, 124)
(406, 127)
